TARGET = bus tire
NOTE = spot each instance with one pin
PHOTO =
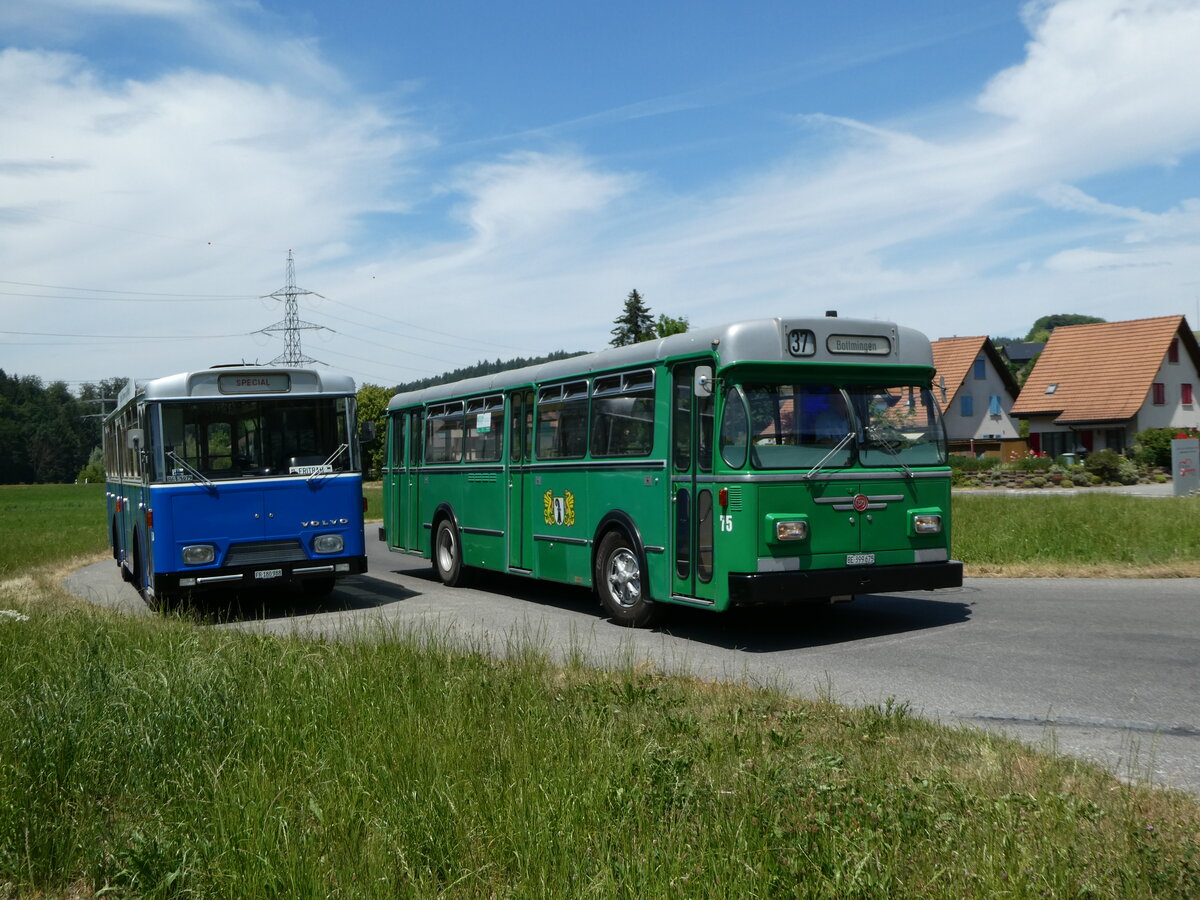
(447, 555)
(621, 584)
(141, 576)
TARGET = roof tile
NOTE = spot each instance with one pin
(1103, 372)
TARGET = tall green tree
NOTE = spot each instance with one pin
(635, 324)
(372, 407)
(667, 325)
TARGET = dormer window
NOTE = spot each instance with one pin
(1051, 388)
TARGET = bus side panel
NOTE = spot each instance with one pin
(557, 511)
(483, 517)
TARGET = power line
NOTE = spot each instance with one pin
(165, 296)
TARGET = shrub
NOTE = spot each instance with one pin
(1030, 464)
(1153, 446)
(973, 464)
(93, 472)
(1104, 464)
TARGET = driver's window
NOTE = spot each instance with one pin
(735, 429)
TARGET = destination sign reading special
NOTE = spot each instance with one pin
(862, 344)
(255, 383)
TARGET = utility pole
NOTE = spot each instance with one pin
(291, 326)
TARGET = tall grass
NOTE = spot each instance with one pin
(1077, 534)
(157, 759)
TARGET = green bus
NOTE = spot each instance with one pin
(771, 461)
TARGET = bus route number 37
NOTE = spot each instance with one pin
(801, 342)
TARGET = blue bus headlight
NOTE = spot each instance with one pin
(328, 543)
(199, 554)
(927, 524)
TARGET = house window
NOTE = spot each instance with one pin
(1185, 394)
(1052, 387)
(1056, 443)
(994, 408)
(968, 405)
(1173, 351)
(1114, 439)
(1159, 393)
(980, 369)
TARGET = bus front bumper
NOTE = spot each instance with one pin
(782, 588)
(232, 577)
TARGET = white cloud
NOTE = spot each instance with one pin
(1105, 83)
(526, 194)
(983, 226)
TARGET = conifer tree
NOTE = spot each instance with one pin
(635, 324)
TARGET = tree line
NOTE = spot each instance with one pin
(47, 433)
(50, 435)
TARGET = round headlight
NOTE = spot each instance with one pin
(199, 554)
(328, 543)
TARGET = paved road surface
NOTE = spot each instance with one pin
(1101, 668)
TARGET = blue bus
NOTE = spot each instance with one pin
(234, 477)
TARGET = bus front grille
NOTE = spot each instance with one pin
(265, 552)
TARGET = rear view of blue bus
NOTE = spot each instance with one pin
(235, 478)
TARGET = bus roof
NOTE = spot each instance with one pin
(819, 339)
(237, 381)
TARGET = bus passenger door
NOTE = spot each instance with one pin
(692, 501)
(412, 530)
(520, 437)
(395, 488)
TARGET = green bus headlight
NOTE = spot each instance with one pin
(927, 524)
(791, 531)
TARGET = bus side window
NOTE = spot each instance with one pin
(735, 428)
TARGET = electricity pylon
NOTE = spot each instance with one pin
(291, 326)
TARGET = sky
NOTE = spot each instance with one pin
(459, 181)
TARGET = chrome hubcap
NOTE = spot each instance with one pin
(624, 578)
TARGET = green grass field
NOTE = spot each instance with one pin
(42, 524)
(1083, 534)
(159, 758)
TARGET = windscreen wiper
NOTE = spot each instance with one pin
(824, 459)
(873, 432)
(187, 467)
(328, 464)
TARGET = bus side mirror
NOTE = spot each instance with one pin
(704, 381)
(366, 433)
(133, 439)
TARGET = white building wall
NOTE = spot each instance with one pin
(980, 424)
(1173, 413)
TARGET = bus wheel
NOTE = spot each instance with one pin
(620, 585)
(141, 577)
(447, 555)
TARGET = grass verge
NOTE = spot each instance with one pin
(153, 757)
(1091, 535)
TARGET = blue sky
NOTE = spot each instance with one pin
(469, 180)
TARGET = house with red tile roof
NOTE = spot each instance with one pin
(1096, 386)
(976, 391)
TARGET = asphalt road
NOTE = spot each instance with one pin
(1106, 669)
